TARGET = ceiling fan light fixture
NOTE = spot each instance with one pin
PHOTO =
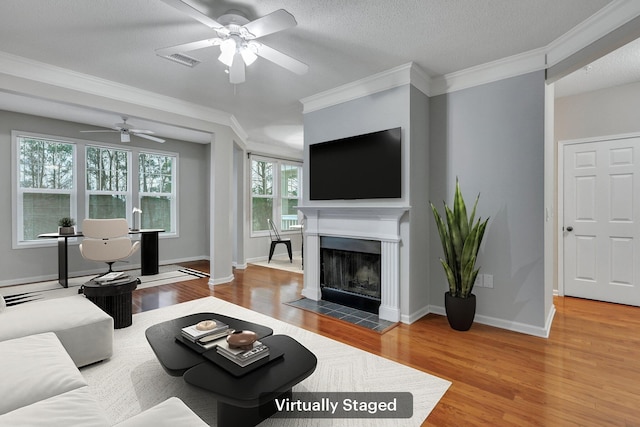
(248, 55)
(227, 51)
(236, 37)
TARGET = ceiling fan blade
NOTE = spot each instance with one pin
(194, 13)
(98, 131)
(147, 131)
(279, 58)
(145, 136)
(271, 23)
(236, 71)
(187, 47)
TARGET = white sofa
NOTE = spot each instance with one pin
(86, 332)
(42, 386)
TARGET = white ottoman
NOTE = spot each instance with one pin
(86, 332)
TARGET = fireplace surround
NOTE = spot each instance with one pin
(377, 224)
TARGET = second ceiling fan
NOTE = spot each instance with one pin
(126, 131)
(236, 36)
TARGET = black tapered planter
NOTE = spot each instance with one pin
(460, 311)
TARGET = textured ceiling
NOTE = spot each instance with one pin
(341, 41)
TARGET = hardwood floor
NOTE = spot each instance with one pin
(587, 373)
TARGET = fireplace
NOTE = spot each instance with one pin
(350, 272)
(380, 225)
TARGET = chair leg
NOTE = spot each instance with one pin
(289, 250)
(271, 249)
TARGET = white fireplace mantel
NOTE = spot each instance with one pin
(359, 222)
(379, 222)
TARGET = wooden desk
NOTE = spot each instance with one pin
(63, 263)
(149, 251)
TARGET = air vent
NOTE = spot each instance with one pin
(183, 59)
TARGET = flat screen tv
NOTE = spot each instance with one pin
(358, 167)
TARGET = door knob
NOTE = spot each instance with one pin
(569, 228)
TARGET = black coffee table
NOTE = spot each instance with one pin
(241, 401)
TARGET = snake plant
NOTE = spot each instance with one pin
(461, 238)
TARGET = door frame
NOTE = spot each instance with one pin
(560, 194)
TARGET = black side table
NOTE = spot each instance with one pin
(113, 299)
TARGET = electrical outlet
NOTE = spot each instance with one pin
(478, 282)
(488, 280)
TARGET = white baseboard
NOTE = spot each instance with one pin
(509, 325)
(220, 281)
(416, 315)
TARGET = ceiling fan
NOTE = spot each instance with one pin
(236, 36)
(126, 131)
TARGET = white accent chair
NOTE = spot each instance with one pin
(107, 240)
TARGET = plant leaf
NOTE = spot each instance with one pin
(460, 212)
(453, 289)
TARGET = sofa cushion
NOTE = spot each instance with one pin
(35, 368)
(172, 412)
(74, 408)
(85, 330)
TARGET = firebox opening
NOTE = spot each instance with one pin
(350, 272)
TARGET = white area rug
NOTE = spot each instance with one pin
(52, 289)
(282, 263)
(133, 380)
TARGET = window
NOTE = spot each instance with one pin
(289, 193)
(107, 188)
(113, 180)
(156, 191)
(261, 194)
(46, 185)
(269, 200)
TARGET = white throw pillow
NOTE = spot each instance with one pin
(3, 304)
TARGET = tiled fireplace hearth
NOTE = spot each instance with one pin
(377, 224)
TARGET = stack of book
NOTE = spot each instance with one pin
(112, 278)
(205, 337)
(243, 357)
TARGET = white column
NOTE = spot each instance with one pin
(390, 282)
(311, 288)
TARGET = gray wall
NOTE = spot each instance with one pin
(21, 265)
(492, 138)
(420, 216)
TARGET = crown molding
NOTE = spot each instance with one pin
(606, 20)
(36, 74)
(395, 77)
(501, 69)
(238, 129)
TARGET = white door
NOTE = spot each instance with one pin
(601, 220)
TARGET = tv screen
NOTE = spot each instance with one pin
(359, 167)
